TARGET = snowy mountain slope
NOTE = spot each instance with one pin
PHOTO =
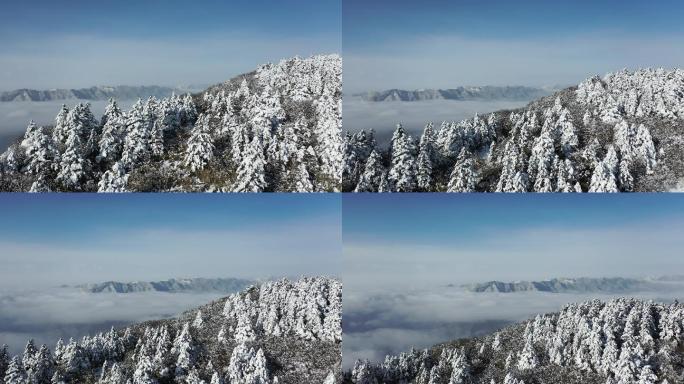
(226, 285)
(276, 332)
(575, 285)
(461, 93)
(620, 341)
(623, 132)
(275, 129)
(120, 92)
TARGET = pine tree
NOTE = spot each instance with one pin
(251, 174)
(136, 148)
(200, 148)
(114, 180)
(528, 357)
(402, 175)
(73, 166)
(184, 348)
(603, 179)
(4, 360)
(188, 113)
(60, 133)
(42, 154)
(112, 111)
(298, 178)
(248, 366)
(463, 177)
(372, 176)
(42, 369)
(144, 371)
(15, 373)
(157, 139)
(111, 140)
(329, 143)
(541, 164)
(460, 369)
(426, 155)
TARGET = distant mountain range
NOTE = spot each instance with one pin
(121, 92)
(224, 285)
(487, 92)
(576, 285)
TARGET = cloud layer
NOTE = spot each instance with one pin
(49, 314)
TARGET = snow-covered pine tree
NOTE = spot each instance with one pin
(114, 179)
(371, 178)
(136, 148)
(329, 143)
(184, 348)
(200, 149)
(111, 140)
(248, 366)
(16, 374)
(74, 167)
(604, 178)
(251, 176)
(426, 157)
(60, 133)
(402, 174)
(41, 152)
(463, 177)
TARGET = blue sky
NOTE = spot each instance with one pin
(442, 238)
(409, 44)
(56, 239)
(165, 42)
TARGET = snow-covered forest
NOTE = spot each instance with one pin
(277, 332)
(623, 341)
(275, 129)
(623, 132)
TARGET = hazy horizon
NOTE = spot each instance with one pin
(156, 42)
(440, 43)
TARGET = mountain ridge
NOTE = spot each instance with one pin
(566, 285)
(462, 93)
(94, 93)
(226, 285)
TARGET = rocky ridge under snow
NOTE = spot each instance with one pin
(226, 285)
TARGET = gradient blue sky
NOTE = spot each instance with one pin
(56, 239)
(442, 43)
(442, 238)
(83, 43)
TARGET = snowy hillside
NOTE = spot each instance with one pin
(461, 93)
(623, 341)
(121, 92)
(575, 285)
(275, 129)
(623, 132)
(277, 332)
(226, 285)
